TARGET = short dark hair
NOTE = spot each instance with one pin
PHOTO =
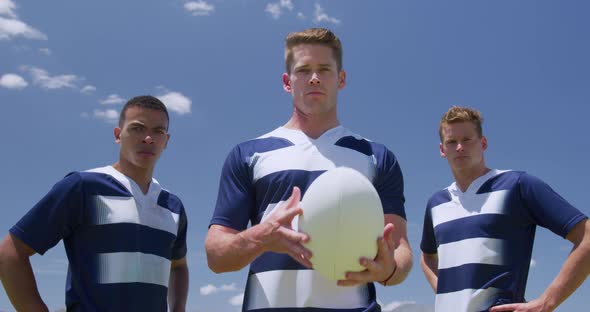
(143, 101)
(321, 36)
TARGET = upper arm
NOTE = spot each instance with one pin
(579, 232)
(12, 246)
(216, 235)
(178, 263)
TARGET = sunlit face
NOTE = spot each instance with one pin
(142, 137)
(314, 80)
(462, 146)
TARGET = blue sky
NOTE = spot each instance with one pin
(66, 67)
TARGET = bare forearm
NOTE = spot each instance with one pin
(19, 282)
(429, 264)
(573, 273)
(178, 289)
(404, 262)
(228, 252)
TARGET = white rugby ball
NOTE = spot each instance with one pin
(343, 216)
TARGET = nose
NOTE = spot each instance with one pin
(148, 139)
(459, 147)
(314, 80)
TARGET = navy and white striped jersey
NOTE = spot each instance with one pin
(484, 237)
(260, 174)
(119, 241)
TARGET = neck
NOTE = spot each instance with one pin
(312, 125)
(464, 178)
(141, 176)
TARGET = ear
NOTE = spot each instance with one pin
(442, 151)
(117, 133)
(341, 79)
(167, 139)
(484, 142)
(287, 82)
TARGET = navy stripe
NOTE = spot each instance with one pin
(271, 261)
(263, 145)
(129, 237)
(474, 276)
(440, 197)
(486, 225)
(503, 181)
(373, 308)
(122, 297)
(278, 186)
(360, 145)
(169, 201)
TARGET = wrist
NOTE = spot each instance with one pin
(384, 282)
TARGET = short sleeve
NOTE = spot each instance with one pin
(389, 183)
(428, 244)
(235, 199)
(547, 208)
(54, 217)
(179, 249)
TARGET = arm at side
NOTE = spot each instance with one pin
(178, 285)
(429, 264)
(17, 275)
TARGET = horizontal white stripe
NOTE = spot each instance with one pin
(133, 267)
(310, 157)
(300, 288)
(469, 205)
(466, 300)
(116, 209)
(472, 250)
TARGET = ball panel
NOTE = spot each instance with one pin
(343, 216)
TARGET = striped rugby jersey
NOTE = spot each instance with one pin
(119, 241)
(484, 237)
(259, 175)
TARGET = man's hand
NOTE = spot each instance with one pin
(279, 236)
(378, 269)
(531, 306)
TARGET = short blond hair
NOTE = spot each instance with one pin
(320, 36)
(461, 114)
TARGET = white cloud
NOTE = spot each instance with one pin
(320, 16)
(533, 263)
(199, 8)
(45, 51)
(42, 78)
(406, 306)
(12, 27)
(112, 99)
(237, 300)
(176, 102)
(7, 8)
(108, 115)
(300, 15)
(276, 9)
(87, 89)
(211, 289)
(13, 81)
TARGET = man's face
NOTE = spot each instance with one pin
(462, 146)
(143, 136)
(314, 80)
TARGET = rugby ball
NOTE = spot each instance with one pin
(343, 216)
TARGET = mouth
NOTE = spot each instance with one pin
(315, 92)
(146, 153)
